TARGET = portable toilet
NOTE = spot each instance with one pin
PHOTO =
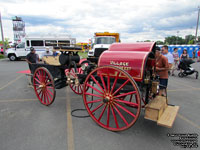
(180, 50)
(172, 48)
(196, 47)
(190, 51)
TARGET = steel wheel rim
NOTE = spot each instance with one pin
(44, 86)
(111, 106)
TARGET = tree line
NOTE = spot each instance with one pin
(177, 40)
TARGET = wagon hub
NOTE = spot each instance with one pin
(42, 86)
(108, 99)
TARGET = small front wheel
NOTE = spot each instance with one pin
(44, 87)
(181, 75)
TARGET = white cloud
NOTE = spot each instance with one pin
(135, 20)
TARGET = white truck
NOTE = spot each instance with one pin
(100, 43)
(40, 44)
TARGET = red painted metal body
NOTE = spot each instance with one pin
(131, 57)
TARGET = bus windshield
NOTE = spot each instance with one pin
(104, 40)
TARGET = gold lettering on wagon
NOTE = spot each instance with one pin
(121, 65)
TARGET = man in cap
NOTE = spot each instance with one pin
(162, 67)
(31, 58)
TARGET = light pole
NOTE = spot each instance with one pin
(2, 34)
(177, 37)
(197, 24)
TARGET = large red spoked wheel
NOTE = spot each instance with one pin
(44, 86)
(105, 99)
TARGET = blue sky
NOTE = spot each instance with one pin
(135, 20)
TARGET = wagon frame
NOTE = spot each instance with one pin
(114, 90)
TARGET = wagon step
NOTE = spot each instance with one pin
(168, 117)
(158, 110)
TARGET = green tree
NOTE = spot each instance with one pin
(6, 42)
(159, 42)
(189, 39)
(191, 42)
(174, 40)
(147, 41)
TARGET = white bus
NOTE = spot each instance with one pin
(40, 44)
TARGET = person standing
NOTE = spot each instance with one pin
(31, 58)
(162, 67)
(176, 60)
(198, 55)
(193, 54)
(169, 57)
(184, 55)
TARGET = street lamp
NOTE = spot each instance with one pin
(177, 37)
(197, 24)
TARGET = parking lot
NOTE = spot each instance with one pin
(28, 125)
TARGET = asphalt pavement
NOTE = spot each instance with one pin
(25, 124)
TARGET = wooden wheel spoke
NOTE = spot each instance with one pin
(50, 87)
(126, 94)
(115, 118)
(97, 83)
(38, 88)
(102, 80)
(37, 80)
(95, 101)
(126, 110)
(108, 82)
(126, 102)
(108, 115)
(49, 83)
(93, 95)
(102, 112)
(97, 107)
(121, 86)
(40, 92)
(120, 115)
(49, 91)
(47, 98)
(116, 78)
(42, 96)
(94, 88)
(39, 77)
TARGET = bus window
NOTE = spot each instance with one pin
(63, 43)
(50, 43)
(27, 43)
(37, 43)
